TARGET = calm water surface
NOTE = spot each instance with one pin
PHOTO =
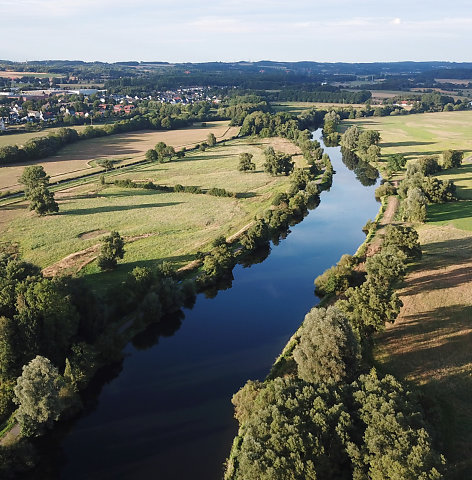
(168, 414)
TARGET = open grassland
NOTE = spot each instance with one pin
(299, 107)
(158, 226)
(420, 134)
(80, 157)
(430, 342)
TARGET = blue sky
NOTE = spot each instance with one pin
(196, 31)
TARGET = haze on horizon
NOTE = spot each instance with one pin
(211, 30)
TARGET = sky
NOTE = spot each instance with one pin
(234, 30)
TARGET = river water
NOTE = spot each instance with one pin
(168, 414)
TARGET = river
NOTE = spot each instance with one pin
(168, 413)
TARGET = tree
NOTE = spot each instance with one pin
(386, 267)
(396, 162)
(277, 162)
(37, 393)
(151, 155)
(331, 121)
(370, 306)
(403, 238)
(395, 443)
(112, 249)
(42, 200)
(452, 158)
(8, 357)
(245, 162)
(328, 350)
(33, 176)
(294, 430)
(211, 139)
(372, 154)
(429, 165)
(414, 205)
(350, 138)
(36, 183)
(367, 138)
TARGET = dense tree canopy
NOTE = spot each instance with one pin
(328, 350)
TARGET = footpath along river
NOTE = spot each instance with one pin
(168, 414)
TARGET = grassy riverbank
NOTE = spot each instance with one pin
(158, 226)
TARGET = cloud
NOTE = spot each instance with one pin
(396, 21)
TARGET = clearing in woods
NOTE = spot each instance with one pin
(170, 226)
(80, 157)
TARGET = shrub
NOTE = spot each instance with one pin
(328, 350)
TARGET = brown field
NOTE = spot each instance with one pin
(430, 342)
(76, 159)
(9, 74)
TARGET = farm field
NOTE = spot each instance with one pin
(158, 226)
(77, 158)
(11, 74)
(420, 134)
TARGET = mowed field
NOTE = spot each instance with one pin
(420, 134)
(430, 343)
(80, 157)
(298, 107)
(158, 226)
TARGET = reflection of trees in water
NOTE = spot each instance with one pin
(223, 283)
(365, 173)
(166, 327)
(257, 256)
(49, 448)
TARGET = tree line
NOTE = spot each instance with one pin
(324, 412)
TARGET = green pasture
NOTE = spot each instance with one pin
(174, 226)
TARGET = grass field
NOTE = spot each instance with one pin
(160, 226)
(430, 342)
(420, 134)
(77, 158)
(298, 107)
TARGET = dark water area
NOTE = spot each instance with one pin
(167, 414)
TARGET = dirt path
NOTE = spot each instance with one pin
(390, 211)
(75, 262)
(11, 436)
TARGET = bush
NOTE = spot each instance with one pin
(328, 350)
(452, 158)
(112, 249)
(429, 165)
(386, 189)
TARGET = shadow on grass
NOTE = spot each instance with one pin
(434, 347)
(116, 208)
(445, 212)
(438, 281)
(247, 195)
(404, 144)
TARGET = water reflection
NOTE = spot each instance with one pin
(168, 413)
(365, 173)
